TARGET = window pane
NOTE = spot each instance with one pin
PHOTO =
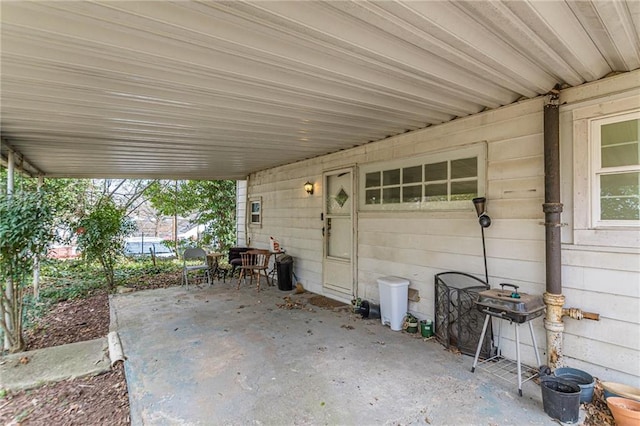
(255, 218)
(463, 168)
(464, 190)
(620, 209)
(255, 207)
(372, 179)
(337, 245)
(435, 171)
(436, 192)
(391, 195)
(391, 177)
(372, 196)
(619, 143)
(412, 194)
(620, 155)
(412, 174)
(619, 184)
(617, 133)
(620, 196)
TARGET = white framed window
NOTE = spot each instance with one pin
(615, 170)
(444, 180)
(255, 211)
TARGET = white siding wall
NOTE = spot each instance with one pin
(417, 245)
(241, 212)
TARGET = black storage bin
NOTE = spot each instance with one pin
(284, 269)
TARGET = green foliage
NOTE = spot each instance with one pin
(61, 280)
(213, 202)
(101, 236)
(75, 279)
(68, 197)
(139, 268)
(26, 229)
(68, 279)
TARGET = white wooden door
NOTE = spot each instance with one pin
(338, 261)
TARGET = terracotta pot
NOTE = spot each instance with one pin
(626, 412)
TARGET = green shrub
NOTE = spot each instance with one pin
(101, 236)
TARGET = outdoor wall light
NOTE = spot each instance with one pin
(483, 217)
(485, 222)
(308, 187)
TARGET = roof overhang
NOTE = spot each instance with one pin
(217, 90)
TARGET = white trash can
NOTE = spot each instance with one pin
(394, 296)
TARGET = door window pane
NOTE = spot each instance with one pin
(339, 237)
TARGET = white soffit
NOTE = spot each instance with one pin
(217, 90)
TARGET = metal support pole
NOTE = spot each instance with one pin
(36, 260)
(11, 167)
(11, 163)
(552, 209)
(484, 256)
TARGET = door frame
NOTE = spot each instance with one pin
(354, 230)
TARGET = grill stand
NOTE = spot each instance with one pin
(499, 365)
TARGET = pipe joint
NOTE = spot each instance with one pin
(579, 314)
(573, 313)
(551, 299)
(552, 207)
(554, 326)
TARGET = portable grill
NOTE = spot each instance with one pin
(517, 308)
(510, 305)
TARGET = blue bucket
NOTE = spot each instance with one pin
(584, 380)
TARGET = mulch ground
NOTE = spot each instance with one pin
(96, 400)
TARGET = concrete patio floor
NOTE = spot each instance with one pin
(216, 355)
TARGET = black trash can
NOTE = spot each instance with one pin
(284, 269)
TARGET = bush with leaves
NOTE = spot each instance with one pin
(26, 229)
(101, 236)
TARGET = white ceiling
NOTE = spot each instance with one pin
(214, 90)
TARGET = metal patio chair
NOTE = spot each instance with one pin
(195, 260)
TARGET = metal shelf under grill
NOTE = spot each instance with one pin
(507, 369)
